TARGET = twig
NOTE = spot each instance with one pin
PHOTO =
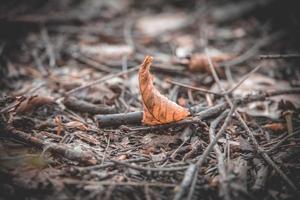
(119, 119)
(249, 132)
(197, 110)
(189, 175)
(214, 93)
(209, 148)
(192, 87)
(242, 80)
(279, 171)
(193, 168)
(261, 176)
(241, 170)
(101, 80)
(100, 183)
(87, 107)
(220, 159)
(105, 152)
(280, 56)
(277, 145)
(63, 150)
(90, 62)
(158, 169)
(110, 164)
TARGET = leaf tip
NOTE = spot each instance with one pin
(147, 62)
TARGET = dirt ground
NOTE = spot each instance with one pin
(71, 110)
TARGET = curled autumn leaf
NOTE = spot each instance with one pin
(157, 108)
(199, 62)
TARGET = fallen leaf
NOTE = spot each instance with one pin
(276, 127)
(27, 104)
(199, 62)
(157, 108)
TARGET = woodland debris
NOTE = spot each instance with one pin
(60, 149)
(136, 117)
(87, 107)
(198, 61)
(77, 48)
(27, 104)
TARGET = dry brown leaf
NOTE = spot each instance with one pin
(276, 127)
(199, 62)
(28, 104)
(157, 108)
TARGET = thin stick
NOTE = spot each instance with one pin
(101, 80)
(197, 110)
(105, 152)
(158, 169)
(194, 168)
(242, 80)
(92, 63)
(60, 149)
(208, 149)
(100, 183)
(220, 159)
(214, 93)
(249, 132)
(192, 87)
(280, 56)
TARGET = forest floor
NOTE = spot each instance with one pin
(68, 67)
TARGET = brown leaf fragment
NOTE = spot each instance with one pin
(28, 104)
(199, 62)
(157, 108)
(276, 127)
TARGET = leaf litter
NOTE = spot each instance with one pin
(152, 143)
